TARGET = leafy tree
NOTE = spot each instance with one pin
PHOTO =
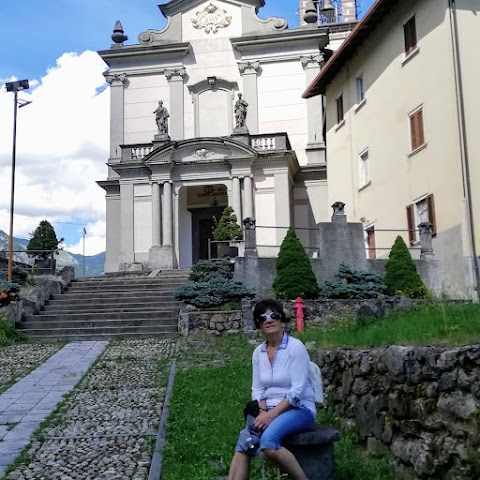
(227, 227)
(401, 277)
(44, 238)
(353, 284)
(295, 276)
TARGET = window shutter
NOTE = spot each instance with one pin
(410, 222)
(420, 131)
(431, 213)
(413, 132)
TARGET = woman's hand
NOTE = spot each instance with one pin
(263, 420)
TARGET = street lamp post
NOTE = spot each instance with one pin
(15, 87)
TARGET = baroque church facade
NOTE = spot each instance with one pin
(208, 113)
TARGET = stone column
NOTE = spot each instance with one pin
(248, 207)
(426, 248)
(127, 254)
(177, 100)
(237, 199)
(249, 72)
(312, 65)
(156, 216)
(282, 203)
(167, 216)
(117, 105)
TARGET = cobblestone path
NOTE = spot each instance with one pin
(29, 401)
(106, 428)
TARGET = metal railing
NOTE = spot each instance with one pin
(51, 257)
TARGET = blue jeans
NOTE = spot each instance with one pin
(288, 423)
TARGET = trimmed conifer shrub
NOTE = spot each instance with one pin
(294, 274)
(214, 286)
(43, 238)
(401, 277)
(227, 227)
(354, 284)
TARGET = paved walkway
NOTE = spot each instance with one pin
(32, 399)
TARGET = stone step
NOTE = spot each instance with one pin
(35, 323)
(70, 317)
(101, 294)
(58, 307)
(115, 301)
(112, 309)
(122, 287)
(97, 280)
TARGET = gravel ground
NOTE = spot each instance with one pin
(16, 361)
(107, 428)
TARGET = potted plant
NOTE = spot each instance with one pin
(227, 230)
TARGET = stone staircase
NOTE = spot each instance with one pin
(99, 308)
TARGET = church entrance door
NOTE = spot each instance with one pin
(202, 230)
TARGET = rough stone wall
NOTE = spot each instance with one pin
(212, 322)
(420, 403)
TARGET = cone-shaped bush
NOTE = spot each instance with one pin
(401, 277)
(44, 238)
(295, 277)
(227, 228)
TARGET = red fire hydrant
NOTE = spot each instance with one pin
(299, 306)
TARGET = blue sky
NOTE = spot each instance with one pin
(63, 135)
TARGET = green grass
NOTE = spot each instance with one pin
(436, 324)
(211, 388)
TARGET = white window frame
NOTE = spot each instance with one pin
(364, 182)
(416, 216)
(411, 150)
(366, 228)
(360, 93)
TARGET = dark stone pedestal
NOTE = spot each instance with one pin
(314, 452)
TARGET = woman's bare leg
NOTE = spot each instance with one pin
(285, 459)
(240, 467)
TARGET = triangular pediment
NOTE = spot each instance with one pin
(180, 6)
(201, 150)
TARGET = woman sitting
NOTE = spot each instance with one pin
(283, 391)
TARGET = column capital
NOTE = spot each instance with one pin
(116, 79)
(312, 61)
(177, 73)
(249, 67)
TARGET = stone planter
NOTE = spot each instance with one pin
(215, 322)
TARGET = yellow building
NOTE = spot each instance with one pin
(402, 120)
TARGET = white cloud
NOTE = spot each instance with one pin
(94, 240)
(62, 148)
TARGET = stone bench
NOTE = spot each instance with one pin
(314, 451)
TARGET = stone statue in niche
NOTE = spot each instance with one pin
(241, 107)
(161, 117)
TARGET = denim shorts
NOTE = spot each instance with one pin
(295, 420)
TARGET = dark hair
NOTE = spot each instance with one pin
(264, 305)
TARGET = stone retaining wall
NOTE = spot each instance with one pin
(212, 322)
(46, 288)
(420, 403)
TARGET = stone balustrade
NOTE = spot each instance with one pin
(269, 142)
(136, 152)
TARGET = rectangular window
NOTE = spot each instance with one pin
(360, 88)
(364, 173)
(370, 242)
(410, 35)
(417, 132)
(422, 210)
(340, 109)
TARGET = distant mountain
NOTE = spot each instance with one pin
(94, 265)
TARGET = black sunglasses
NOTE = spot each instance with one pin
(272, 315)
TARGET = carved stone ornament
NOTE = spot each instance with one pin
(116, 78)
(211, 18)
(175, 72)
(203, 153)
